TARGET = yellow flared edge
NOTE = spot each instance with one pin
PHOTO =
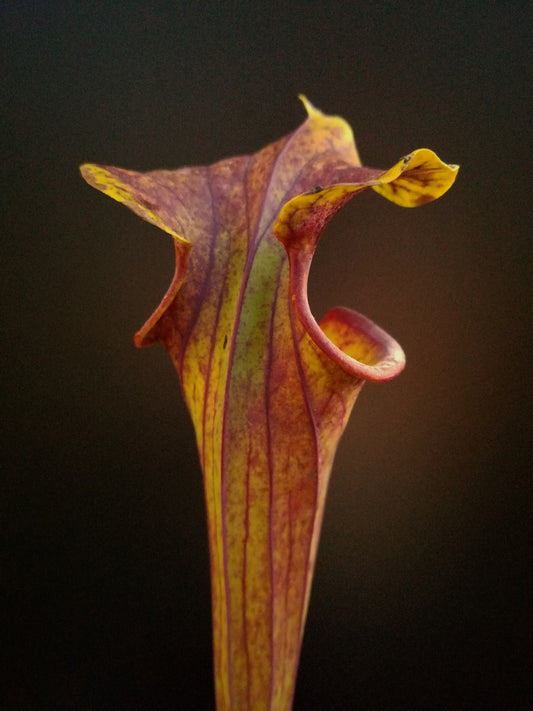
(417, 178)
(103, 180)
(323, 123)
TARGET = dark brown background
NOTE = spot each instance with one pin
(420, 594)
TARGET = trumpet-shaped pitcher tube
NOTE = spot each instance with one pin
(269, 388)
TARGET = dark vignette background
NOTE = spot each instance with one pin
(421, 589)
